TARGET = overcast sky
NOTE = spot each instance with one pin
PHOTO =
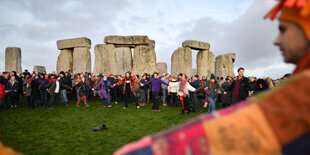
(228, 25)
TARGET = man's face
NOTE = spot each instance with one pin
(292, 42)
(155, 76)
(241, 72)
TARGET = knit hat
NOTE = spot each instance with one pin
(212, 76)
(110, 73)
(296, 11)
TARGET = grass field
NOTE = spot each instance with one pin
(69, 130)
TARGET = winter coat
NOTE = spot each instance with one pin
(212, 92)
(26, 88)
(82, 88)
(12, 88)
(52, 86)
(104, 93)
(243, 89)
(123, 82)
(164, 86)
(187, 88)
(226, 98)
(173, 88)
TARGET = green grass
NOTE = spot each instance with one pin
(69, 130)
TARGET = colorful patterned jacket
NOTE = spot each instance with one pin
(274, 122)
(123, 81)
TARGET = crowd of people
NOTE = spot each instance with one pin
(188, 92)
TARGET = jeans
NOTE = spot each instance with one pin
(64, 95)
(164, 95)
(212, 102)
(43, 96)
(108, 99)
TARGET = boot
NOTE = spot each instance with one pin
(203, 109)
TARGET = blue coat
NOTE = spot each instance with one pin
(103, 92)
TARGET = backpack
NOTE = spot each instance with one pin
(2, 91)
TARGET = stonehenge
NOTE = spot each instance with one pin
(119, 54)
(13, 58)
(39, 69)
(74, 55)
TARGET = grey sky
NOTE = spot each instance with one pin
(229, 26)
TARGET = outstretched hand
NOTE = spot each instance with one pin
(141, 84)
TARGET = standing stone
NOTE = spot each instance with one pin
(65, 60)
(224, 65)
(181, 61)
(105, 59)
(161, 67)
(205, 63)
(81, 60)
(194, 71)
(13, 56)
(197, 45)
(123, 57)
(74, 42)
(39, 69)
(144, 60)
(152, 43)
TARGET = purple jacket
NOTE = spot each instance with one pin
(103, 92)
(156, 84)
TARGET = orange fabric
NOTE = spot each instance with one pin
(288, 109)
(303, 64)
(297, 11)
(7, 151)
(236, 134)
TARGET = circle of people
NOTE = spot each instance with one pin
(183, 91)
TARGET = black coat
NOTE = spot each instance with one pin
(82, 88)
(35, 89)
(226, 98)
(52, 86)
(12, 89)
(244, 88)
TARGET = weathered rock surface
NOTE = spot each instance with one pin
(13, 56)
(126, 40)
(123, 57)
(197, 45)
(205, 63)
(105, 59)
(144, 60)
(74, 42)
(224, 65)
(194, 71)
(81, 60)
(39, 69)
(65, 60)
(181, 61)
(161, 67)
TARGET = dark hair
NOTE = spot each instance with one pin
(155, 73)
(181, 74)
(222, 78)
(241, 68)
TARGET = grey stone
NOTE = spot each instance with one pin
(194, 71)
(13, 56)
(144, 60)
(65, 60)
(197, 45)
(205, 63)
(105, 59)
(181, 61)
(39, 69)
(224, 65)
(123, 60)
(161, 67)
(81, 60)
(126, 40)
(74, 42)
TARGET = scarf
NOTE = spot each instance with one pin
(182, 87)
